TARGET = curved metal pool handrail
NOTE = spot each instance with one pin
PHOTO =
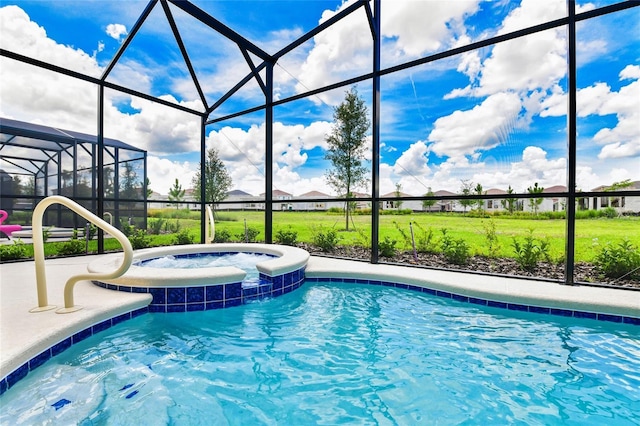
(38, 253)
(210, 227)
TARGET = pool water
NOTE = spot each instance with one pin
(245, 261)
(340, 354)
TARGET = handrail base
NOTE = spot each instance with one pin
(69, 310)
(42, 308)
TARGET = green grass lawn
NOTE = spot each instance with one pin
(590, 234)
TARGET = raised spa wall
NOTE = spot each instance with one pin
(187, 290)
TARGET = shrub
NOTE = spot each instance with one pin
(172, 228)
(93, 230)
(222, 236)
(406, 237)
(326, 241)
(530, 251)
(619, 260)
(455, 250)
(249, 236)
(155, 226)
(287, 237)
(71, 247)
(126, 229)
(46, 233)
(182, 238)
(424, 239)
(363, 239)
(609, 212)
(14, 251)
(492, 237)
(387, 247)
(139, 239)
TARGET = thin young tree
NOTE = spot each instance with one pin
(347, 148)
(398, 194)
(478, 190)
(147, 185)
(427, 204)
(534, 203)
(176, 193)
(509, 203)
(217, 180)
(466, 189)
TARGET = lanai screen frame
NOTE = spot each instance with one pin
(55, 142)
(372, 9)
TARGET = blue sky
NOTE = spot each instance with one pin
(496, 116)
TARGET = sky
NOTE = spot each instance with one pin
(496, 116)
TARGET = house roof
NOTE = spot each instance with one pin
(443, 193)
(396, 194)
(314, 194)
(238, 193)
(278, 193)
(555, 188)
(635, 185)
(496, 191)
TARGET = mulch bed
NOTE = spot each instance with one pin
(584, 273)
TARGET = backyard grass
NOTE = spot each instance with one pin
(590, 234)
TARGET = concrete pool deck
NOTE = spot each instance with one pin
(24, 335)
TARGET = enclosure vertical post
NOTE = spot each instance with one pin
(268, 157)
(571, 141)
(146, 190)
(100, 166)
(116, 187)
(75, 181)
(375, 136)
(203, 178)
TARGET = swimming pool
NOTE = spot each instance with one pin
(211, 286)
(347, 353)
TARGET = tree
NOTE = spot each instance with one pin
(128, 182)
(347, 148)
(108, 181)
(534, 203)
(479, 202)
(176, 193)
(398, 194)
(217, 180)
(509, 203)
(466, 189)
(427, 204)
(147, 185)
(617, 186)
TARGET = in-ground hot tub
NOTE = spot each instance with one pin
(204, 288)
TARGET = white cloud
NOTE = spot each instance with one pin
(345, 49)
(413, 162)
(21, 35)
(163, 172)
(481, 128)
(116, 31)
(419, 27)
(243, 151)
(630, 72)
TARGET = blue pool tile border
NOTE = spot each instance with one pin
(217, 296)
(21, 372)
(486, 302)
